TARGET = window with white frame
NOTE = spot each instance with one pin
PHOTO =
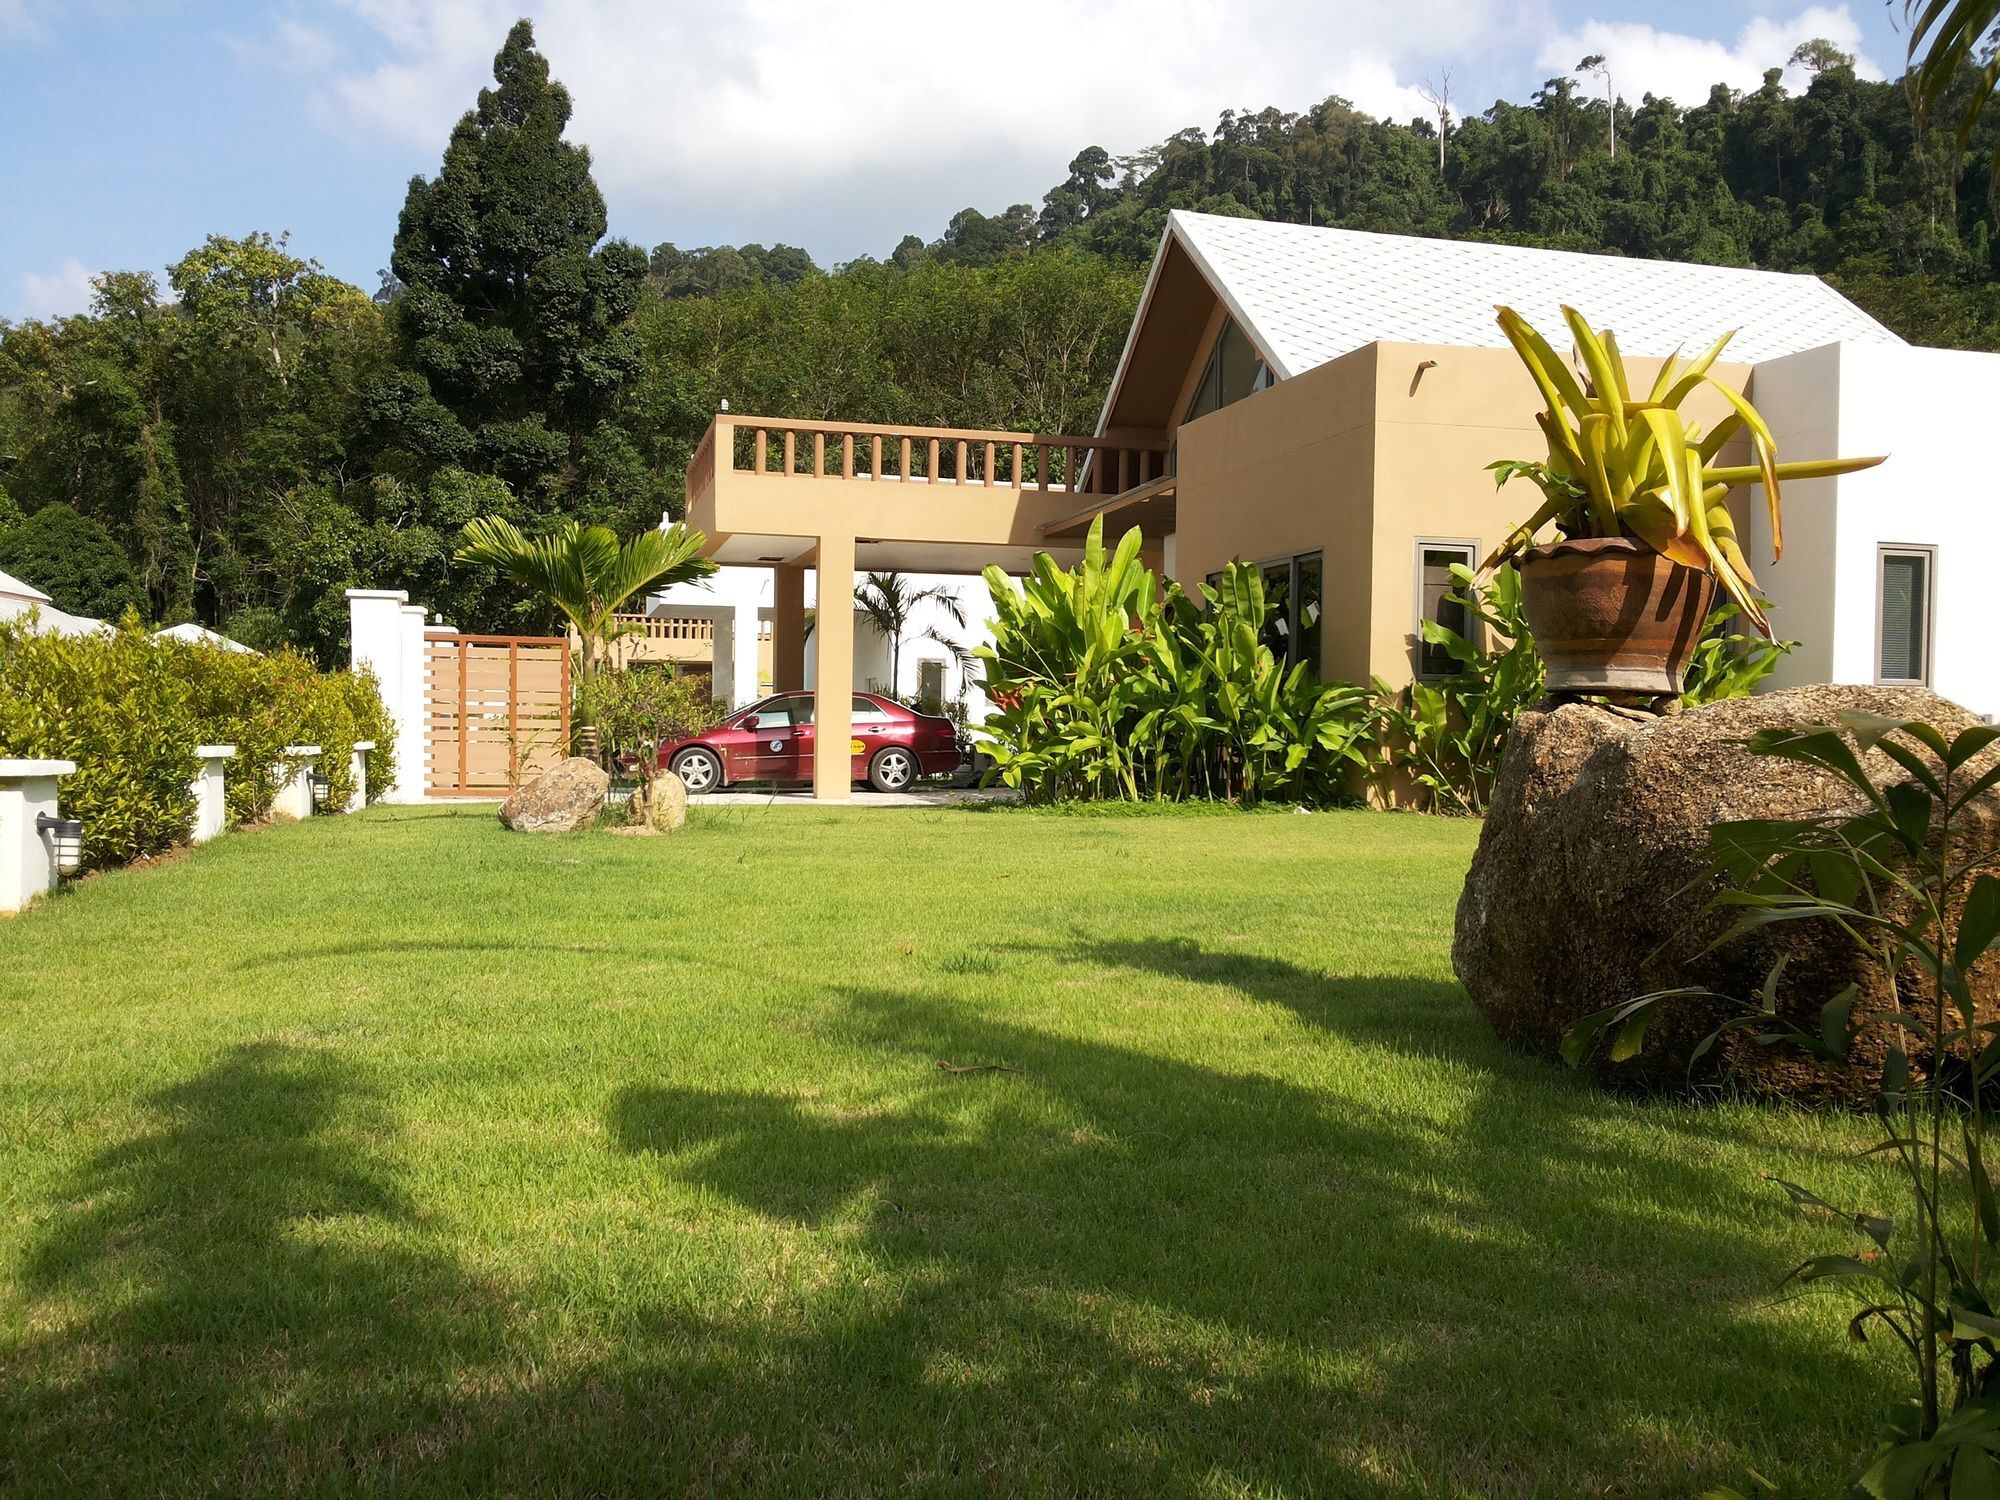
(1905, 590)
(1436, 602)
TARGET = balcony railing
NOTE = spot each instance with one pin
(665, 628)
(863, 451)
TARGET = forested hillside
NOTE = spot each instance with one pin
(244, 443)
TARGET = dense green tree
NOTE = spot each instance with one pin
(73, 560)
(256, 436)
(514, 310)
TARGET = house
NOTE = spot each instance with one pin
(18, 599)
(1324, 403)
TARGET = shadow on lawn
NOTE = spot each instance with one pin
(1113, 1270)
(251, 1319)
(1109, 1272)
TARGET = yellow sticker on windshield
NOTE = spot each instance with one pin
(855, 747)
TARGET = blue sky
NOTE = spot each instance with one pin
(135, 127)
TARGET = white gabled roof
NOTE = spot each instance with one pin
(1306, 294)
(12, 588)
(201, 635)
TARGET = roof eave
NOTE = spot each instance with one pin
(1171, 234)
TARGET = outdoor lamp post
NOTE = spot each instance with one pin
(65, 836)
(321, 789)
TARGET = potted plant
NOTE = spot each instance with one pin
(1640, 508)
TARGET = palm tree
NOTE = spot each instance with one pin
(888, 601)
(586, 575)
(1945, 37)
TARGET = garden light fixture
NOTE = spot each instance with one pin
(321, 789)
(65, 836)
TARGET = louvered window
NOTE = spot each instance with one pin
(1903, 622)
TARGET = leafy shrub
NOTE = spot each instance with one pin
(1106, 687)
(117, 706)
(1442, 741)
(1727, 663)
(262, 704)
(637, 707)
(129, 709)
(1437, 745)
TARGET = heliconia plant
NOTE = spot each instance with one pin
(1619, 466)
(1107, 685)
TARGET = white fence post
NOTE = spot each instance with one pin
(27, 859)
(295, 798)
(211, 811)
(358, 770)
(386, 635)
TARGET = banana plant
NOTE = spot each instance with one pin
(1619, 466)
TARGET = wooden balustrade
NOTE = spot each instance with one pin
(866, 451)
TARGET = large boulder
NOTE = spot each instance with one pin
(1591, 883)
(565, 797)
(660, 804)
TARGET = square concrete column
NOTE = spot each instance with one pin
(295, 798)
(788, 628)
(833, 671)
(27, 859)
(211, 810)
(358, 771)
(742, 686)
(386, 635)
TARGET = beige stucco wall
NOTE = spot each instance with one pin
(1288, 470)
(1358, 459)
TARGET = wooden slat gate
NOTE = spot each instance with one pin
(498, 713)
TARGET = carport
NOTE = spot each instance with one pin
(844, 497)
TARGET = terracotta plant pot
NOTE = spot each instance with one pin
(1611, 615)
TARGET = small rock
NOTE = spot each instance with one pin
(566, 797)
(660, 804)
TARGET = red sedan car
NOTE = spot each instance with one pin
(773, 741)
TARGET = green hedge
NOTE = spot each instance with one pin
(129, 709)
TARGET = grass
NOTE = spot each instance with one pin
(396, 1153)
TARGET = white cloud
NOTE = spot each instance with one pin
(1683, 68)
(54, 294)
(846, 124)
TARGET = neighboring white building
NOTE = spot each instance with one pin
(201, 635)
(1884, 575)
(18, 598)
(739, 601)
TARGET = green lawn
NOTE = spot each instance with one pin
(398, 1153)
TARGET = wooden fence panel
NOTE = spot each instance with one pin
(498, 711)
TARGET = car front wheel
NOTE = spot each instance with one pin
(893, 769)
(698, 769)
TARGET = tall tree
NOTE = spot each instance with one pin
(512, 313)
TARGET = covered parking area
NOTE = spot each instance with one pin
(840, 498)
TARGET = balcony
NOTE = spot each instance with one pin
(769, 489)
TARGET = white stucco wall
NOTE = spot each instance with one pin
(1931, 411)
(745, 591)
(386, 635)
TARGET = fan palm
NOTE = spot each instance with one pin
(1945, 36)
(586, 575)
(888, 601)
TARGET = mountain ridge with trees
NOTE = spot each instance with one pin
(259, 435)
